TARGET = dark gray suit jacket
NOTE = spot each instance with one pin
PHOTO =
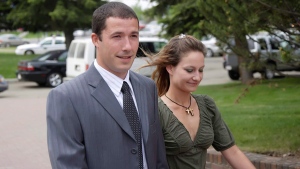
(87, 128)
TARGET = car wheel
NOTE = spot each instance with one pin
(209, 53)
(29, 52)
(54, 79)
(234, 75)
(269, 71)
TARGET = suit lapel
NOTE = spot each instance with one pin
(103, 94)
(141, 100)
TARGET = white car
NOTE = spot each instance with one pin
(46, 45)
(211, 44)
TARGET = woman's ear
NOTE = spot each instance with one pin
(169, 68)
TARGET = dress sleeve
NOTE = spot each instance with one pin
(223, 138)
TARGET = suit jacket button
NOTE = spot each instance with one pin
(133, 151)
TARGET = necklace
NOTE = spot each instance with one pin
(188, 110)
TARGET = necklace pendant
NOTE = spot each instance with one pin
(189, 111)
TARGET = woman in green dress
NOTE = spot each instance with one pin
(190, 123)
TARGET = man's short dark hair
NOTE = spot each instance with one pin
(110, 9)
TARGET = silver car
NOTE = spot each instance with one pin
(7, 40)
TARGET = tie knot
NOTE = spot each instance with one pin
(125, 88)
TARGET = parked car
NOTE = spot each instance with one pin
(82, 53)
(46, 45)
(3, 84)
(211, 44)
(267, 47)
(46, 70)
(152, 29)
(7, 40)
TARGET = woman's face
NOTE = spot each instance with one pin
(187, 75)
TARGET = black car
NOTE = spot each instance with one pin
(3, 84)
(46, 70)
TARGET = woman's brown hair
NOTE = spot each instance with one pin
(171, 54)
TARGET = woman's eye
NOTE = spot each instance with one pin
(200, 70)
(189, 70)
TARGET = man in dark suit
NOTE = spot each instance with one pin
(86, 123)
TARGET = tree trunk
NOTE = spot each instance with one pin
(243, 58)
(69, 37)
(246, 74)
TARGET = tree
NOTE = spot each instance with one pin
(226, 20)
(4, 10)
(50, 15)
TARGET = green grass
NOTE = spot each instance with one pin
(267, 116)
(9, 62)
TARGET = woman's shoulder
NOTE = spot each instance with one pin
(204, 98)
(162, 106)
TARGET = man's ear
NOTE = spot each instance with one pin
(95, 39)
(170, 68)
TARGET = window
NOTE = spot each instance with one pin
(274, 44)
(148, 47)
(72, 50)
(158, 46)
(63, 56)
(81, 49)
(47, 42)
(45, 56)
(263, 44)
(250, 44)
(59, 41)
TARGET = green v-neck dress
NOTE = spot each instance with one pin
(182, 152)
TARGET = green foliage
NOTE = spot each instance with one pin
(226, 20)
(285, 54)
(141, 14)
(266, 118)
(52, 15)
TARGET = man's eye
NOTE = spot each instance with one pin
(200, 70)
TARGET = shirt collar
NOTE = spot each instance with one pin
(114, 82)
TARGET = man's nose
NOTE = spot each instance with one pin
(127, 44)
